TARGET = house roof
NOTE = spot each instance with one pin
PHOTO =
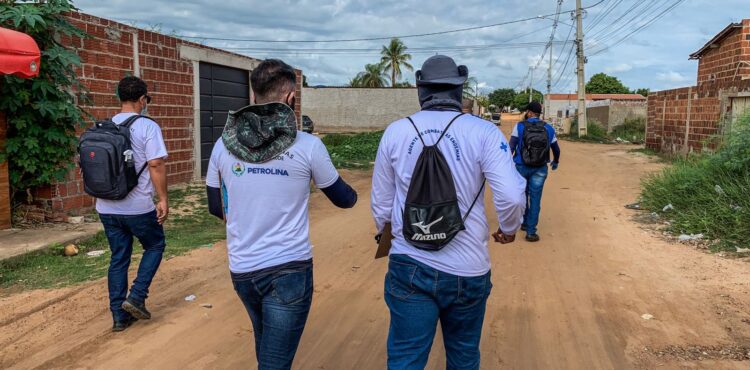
(720, 36)
(597, 97)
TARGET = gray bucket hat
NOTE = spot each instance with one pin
(260, 133)
(441, 70)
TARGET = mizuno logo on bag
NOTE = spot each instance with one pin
(426, 228)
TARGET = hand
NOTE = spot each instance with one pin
(554, 166)
(162, 211)
(378, 237)
(503, 238)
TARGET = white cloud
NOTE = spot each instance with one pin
(671, 76)
(500, 63)
(622, 67)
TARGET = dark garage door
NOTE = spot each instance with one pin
(222, 89)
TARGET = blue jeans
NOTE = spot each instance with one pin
(120, 230)
(278, 303)
(535, 177)
(418, 296)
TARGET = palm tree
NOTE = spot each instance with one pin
(470, 88)
(373, 76)
(394, 57)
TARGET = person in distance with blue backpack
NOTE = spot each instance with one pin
(532, 140)
(122, 162)
(427, 194)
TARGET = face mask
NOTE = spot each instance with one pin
(144, 111)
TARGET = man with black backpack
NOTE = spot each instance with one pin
(428, 191)
(531, 142)
(122, 163)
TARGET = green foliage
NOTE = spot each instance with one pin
(42, 112)
(372, 76)
(642, 91)
(394, 58)
(602, 83)
(594, 131)
(502, 98)
(633, 130)
(708, 192)
(521, 100)
(353, 151)
(471, 89)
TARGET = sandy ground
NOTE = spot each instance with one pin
(572, 301)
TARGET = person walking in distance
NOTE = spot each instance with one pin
(532, 140)
(428, 190)
(128, 211)
(263, 166)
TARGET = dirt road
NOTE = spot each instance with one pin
(572, 301)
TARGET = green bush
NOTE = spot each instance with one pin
(633, 130)
(709, 192)
(353, 151)
(594, 129)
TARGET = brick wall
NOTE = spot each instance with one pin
(4, 183)
(108, 56)
(670, 120)
(721, 64)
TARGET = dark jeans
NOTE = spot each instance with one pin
(535, 177)
(120, 230)
(278, 300)
(418, 296)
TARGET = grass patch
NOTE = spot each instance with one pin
(353, 151)
(190, 226)
(632, 130)
(595, 132)
(709, 192)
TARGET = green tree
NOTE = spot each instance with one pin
(394, 58)
(521, 100)
(602, 83)
(304, 81)
(503, 97)
(372, 76)
(643, 91)
(42, 112)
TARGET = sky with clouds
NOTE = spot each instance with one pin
(655, 57)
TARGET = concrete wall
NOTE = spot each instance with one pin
(357, 109)
(613, 113)
(170, 67)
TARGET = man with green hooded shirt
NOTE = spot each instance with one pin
(263, 166)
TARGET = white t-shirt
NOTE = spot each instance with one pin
(474, 149)
(148, 144)
(266, 203)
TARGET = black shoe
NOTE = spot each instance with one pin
(532, 238)
(138, 310)
(523, 227)
(122, 325)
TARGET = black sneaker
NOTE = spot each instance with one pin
(532, 238)
(138, 310)
(122, 325)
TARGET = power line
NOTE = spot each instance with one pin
(612, 32)
(380, 38)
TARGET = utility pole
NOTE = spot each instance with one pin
(531, 85)
(582, 125)
(549, 81)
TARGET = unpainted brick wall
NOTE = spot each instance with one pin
(668, 116)
(4, 181)
(107, 57)
(727, 62)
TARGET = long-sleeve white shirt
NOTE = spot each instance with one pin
(475, 150)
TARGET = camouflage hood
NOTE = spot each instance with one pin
(260, 133)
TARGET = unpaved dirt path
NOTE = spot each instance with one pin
(572, 301)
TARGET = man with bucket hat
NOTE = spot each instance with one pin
(258, 181)
(446, 281)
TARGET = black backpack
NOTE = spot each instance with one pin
(106, 159)
(535, 145)
(432, 217)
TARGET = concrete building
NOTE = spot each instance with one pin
(694, 118)
(611, 113)
(192, 85)
(563, 107)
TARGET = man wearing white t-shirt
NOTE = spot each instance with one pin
(450, 285)
(136, 215)
(264, 166)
